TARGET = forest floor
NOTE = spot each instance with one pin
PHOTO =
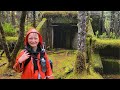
(111, 76)
(58, 56)
(63, 63)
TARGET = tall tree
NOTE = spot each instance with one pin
(102, 19)
(11, 57)
(81, 57)
(34, 19)
(112, 21)
(8, 16)
(13, 18)
(118, 24)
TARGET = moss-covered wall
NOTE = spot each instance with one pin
(97, 63)
(109, 51)
(109, 48)
(111, 66)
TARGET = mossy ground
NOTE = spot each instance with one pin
(63, 66)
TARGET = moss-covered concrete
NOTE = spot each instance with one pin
(97, 63)
(111, 66)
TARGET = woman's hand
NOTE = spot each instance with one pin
(24, 57)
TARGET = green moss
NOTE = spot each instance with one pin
(9, 39)
(41, 24)
(60, 13)
(64, 20)
(89, 28)
(4, 67)
(61, 16)
(102, 43)
(97, 63)
(63, 62)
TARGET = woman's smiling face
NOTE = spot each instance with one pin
(33, 39)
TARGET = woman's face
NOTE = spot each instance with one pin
(33, 39)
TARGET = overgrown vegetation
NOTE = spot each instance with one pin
(9, 29)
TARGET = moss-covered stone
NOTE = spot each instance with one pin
(107, 47)
(102, 43)
(97, 63)
(111, 66)
(89, 28)
(41, 25)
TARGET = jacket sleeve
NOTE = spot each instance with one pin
(18, 67)
(49, 70)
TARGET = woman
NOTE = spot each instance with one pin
(29, 60)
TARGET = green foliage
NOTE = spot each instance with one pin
(97, 33)
(13, 39)
(112, 35)
(104, 35)
(9, 29)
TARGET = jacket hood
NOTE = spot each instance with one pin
(32, 31)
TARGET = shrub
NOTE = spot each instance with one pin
(9, 29)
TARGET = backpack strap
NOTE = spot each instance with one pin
(27, 61)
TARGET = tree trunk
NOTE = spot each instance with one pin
(4, 44)
(81, 57)
(34, 20)
(11, 58)
(13, 18)
(112, 21)
(118, 24)
(20, 38)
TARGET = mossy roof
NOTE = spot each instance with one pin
(59, 14)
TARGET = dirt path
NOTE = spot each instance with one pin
(10, 74)
(111, 76)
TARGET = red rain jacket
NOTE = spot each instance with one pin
(28, 71)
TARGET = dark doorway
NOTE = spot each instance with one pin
(63, 35)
